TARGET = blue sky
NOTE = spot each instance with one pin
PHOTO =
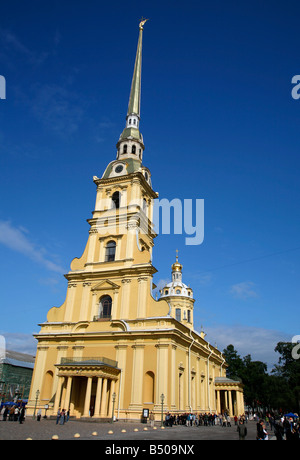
(219, 124)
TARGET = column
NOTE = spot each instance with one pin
(230, 403)
(173, 377)
(142, 296)
(137, 376)
(98, 398)
(103, 412)
(68, 394)
(121, 351)
(87, 397)
(58, 394)
(112, 389)
(125, 299)
(70, 301)
(95, 306)
(38, 376)
(92, 244)
(83, 315)
(162, 374)
(218, 402)
(226, 399)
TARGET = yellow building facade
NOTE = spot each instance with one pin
(111, 347)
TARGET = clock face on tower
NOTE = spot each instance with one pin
(119, 169)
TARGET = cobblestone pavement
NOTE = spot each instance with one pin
(118, 431)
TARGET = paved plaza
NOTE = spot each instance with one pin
(46, 429)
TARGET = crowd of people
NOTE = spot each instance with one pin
(206, 419)
(13, 413)
(283, 428)
(62, 416)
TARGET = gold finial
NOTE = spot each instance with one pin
(142, 22)
(177, 267)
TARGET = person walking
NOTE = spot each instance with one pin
(242, 430)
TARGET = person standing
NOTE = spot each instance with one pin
(58, 416)
(5, 413)
(22, 415)
(62, 417)
(151, 418)
(242, 430)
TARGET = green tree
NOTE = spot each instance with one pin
(234, 362)
(288, 370)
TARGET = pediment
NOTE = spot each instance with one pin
(105, 285)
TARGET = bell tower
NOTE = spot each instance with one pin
(117, 260)
(179, 296)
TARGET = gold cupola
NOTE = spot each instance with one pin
(176, 267)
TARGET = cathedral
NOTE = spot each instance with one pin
(111, 349)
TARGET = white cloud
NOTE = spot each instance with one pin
(15, 238)
(22, 343)
(247, 340)
(243, 290)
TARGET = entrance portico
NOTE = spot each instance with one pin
(229, 396)
(85, 387)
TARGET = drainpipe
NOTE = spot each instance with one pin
(190, 377)
(208, 392)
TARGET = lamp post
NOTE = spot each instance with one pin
(113, 407)
(36, 400)
(162, 398)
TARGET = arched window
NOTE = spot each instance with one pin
(125, 148)
(149, 385)
(110, 251)
(47, 386)
(105, 307)
(116, 198)
(133, 149)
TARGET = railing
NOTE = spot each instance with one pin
(102, 317)
(90, 360)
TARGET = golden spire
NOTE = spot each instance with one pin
(134, 106)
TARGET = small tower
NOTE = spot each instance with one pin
(179, 296)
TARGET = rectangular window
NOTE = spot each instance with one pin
(189, 316)
(178, 314)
